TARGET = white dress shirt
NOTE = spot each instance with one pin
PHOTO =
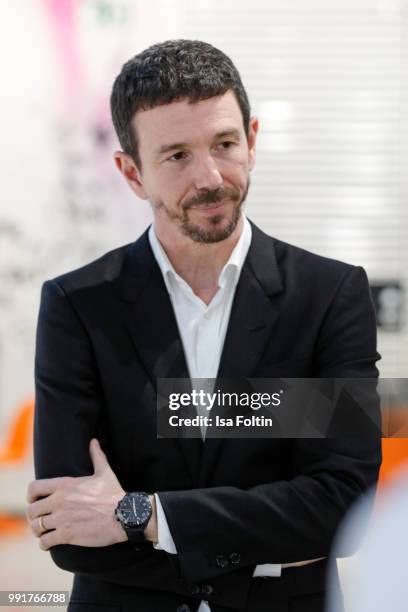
(202, 330)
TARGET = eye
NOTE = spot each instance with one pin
(226, 144)
(177, 156)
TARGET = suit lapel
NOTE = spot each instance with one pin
(150, 320)
(253, 316)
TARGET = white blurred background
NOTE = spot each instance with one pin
(327, 79)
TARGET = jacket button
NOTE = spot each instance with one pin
(195, 589)
(207, 589)
(183, 608)
(221, 561)
(235, 558)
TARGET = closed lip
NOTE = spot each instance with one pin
(209, 207)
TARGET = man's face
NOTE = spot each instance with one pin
(196, 160)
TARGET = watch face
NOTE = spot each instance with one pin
(134, 509)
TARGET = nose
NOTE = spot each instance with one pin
(207, 174)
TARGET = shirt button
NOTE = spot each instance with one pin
(207, 314)
(235, 558)
(207, 589)
(195, 589)
(221, 561)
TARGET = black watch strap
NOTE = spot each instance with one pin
(135, 535)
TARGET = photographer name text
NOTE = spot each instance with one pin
(205, 421)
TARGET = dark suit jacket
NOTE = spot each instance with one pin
(107, 331)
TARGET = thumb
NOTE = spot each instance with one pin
(99, 460)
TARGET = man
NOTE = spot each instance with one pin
(226, 524)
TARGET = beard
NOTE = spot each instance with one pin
(217, 230)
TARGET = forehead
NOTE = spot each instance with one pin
(183, 121)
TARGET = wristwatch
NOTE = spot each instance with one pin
(133, 512)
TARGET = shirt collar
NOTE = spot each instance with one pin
(231, 269)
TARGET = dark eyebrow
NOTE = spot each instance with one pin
(170, 147)
(232, 133)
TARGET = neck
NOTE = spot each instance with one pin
(199, 264)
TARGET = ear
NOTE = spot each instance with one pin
(252, 133)
(127, 167)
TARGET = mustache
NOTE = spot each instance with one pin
(212, 197)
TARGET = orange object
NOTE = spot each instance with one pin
(18, 441)
(12, 525)
(395, 458)
(395, 446)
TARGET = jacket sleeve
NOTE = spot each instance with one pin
(68, 413)
(296, 519)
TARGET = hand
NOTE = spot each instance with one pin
(77, 510)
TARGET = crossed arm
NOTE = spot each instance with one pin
(81, 510)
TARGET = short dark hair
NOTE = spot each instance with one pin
(169, 71)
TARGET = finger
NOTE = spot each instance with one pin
(42, 488)
(42, 506)
(36, 527)
(99, 460)
(49, 539)
(47, 521)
